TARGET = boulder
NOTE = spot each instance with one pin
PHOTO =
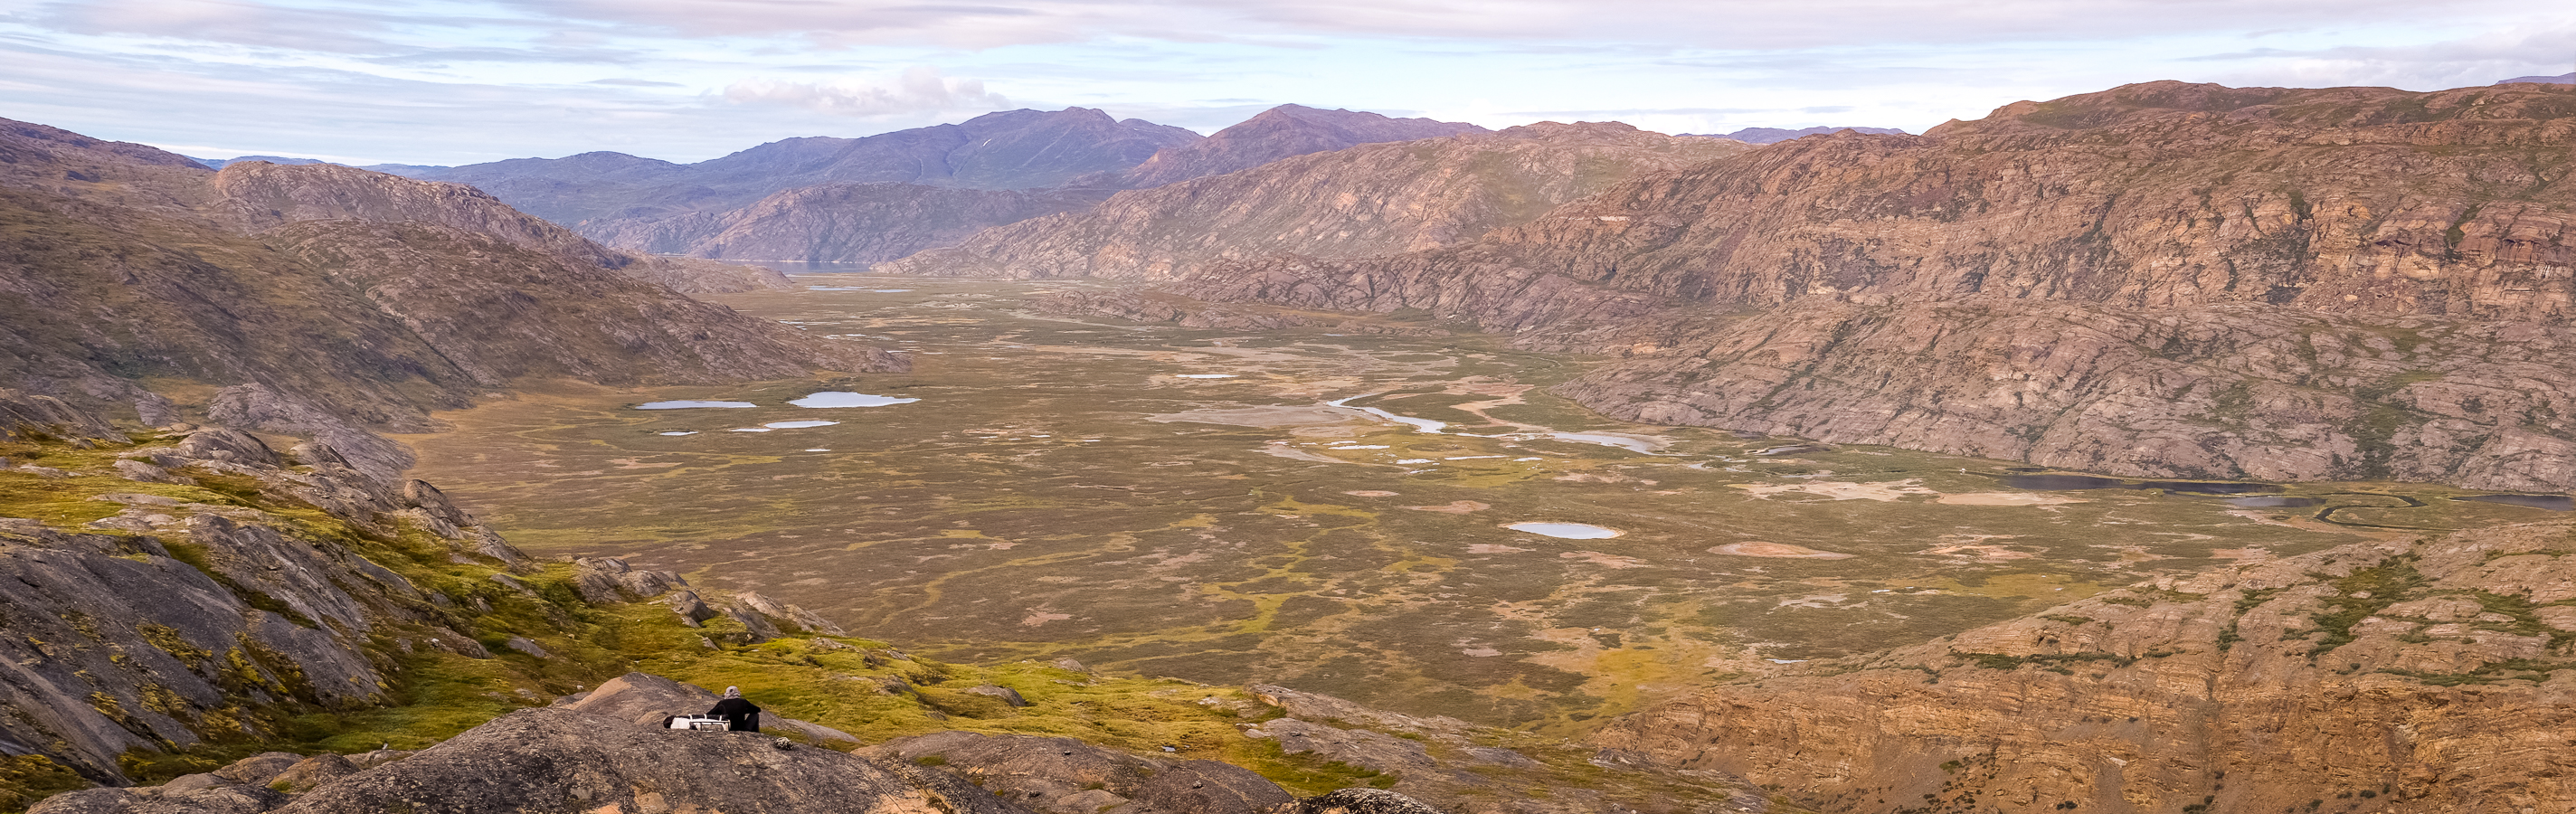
(789, 615)
(606, 580)
(692, 610)
(226, 444)
(1008, 695)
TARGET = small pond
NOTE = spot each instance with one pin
(836, 398)
(1569, 531)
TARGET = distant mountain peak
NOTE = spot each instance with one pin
(1282, 132)
(2561, 79)
(1774, 135)
(220, 163)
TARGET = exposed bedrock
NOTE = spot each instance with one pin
(2238, 391)
(2420, 676)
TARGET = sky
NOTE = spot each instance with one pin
(463, 81)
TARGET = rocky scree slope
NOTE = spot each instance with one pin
(128, 278)
(2137, 223)
(1366, 200)
(2422, 675)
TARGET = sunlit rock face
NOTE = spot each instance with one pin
(2161, 279)
(2397, 676)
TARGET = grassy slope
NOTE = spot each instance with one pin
(835, 681)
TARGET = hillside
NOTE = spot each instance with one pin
(324, 299)
(2232, 236)
(1364, 200)
(2398, 676)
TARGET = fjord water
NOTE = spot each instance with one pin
(1084, 488)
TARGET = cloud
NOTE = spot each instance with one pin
(919, 90)
(2477, 59)
(635, 83)
(1544, 23)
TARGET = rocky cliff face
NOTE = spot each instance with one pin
(159, 602)
(2348, 200)
(1811, 286)
(1366, 200)
(838, 223)
(365, 296)
(1281, 132)
(2245, 391)
(2415, 676)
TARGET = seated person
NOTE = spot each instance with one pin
(740, 714)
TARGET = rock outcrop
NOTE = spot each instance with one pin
(838, 222)
(1365, 200)
(197, 589)
(556, 759)
(2406, 676)
(181, 615)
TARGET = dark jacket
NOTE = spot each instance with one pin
(739, 713)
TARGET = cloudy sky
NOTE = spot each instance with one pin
(685, 80)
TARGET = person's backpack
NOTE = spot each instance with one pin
(700, 723)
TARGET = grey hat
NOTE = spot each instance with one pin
(733, 692)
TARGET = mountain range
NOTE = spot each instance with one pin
(1364, 200)
(2162, 279)
(1774, 135)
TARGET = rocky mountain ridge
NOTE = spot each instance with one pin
(885, 197)
(1364, 200)
(1018, 149)
(1286, 131)
(1795, 288)
(839, 222)
(2402, 675)
(1775, 135)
